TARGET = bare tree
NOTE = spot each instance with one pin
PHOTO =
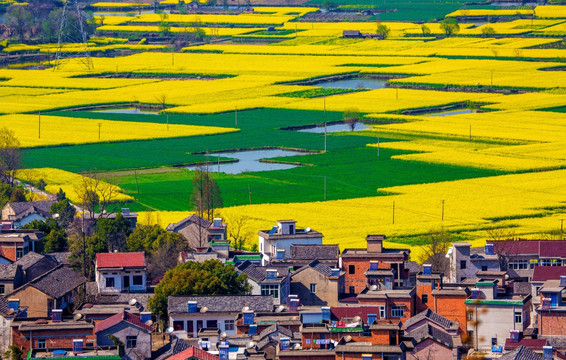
(9, 155)
(436, 244)
(96, 193)
(239, 231)
(205, 198)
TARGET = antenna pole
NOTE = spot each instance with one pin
(393, 212)
(39, 126)
(99, 125)
(250, 194)
(442, 210)
(324, 187)
(236, 116)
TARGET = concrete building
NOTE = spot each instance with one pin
(22, 213)
(551, 313)
(276, 243)
(268, 280)
(491, 316)
(466, 262)
(130, 330)
(121, 272)
(317, 284)
(200, 232)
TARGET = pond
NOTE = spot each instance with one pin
(249, 161)
(452, 112)
(128, 111)
(336, 128)
(355, 83)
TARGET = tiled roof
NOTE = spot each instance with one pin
(118, 318)
(34, 265)
(194, 219)
(30, 259)
(174, 347)
(339, 313)
(124, 298)
(533, 344)
(22, 209)
(543, 273)
(544, 248)
(192, 353)
(275, 328)
(316, 265)
(312, 252)
(3, 305)
(369, 349)
(258, 273)
(120, 260)
(60, 257)
(427, 331)
(222, 303)
(58, 281)
(521, 353)
(430, 315)
(8, 271)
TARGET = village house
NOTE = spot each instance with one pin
(302, 255)
(317, 284)
(375, 262)
(19, 214)
(50, 291)
(492, 315)
(551, 313)
(267, 280)
(11, 277)
(34, 265)
(9, 311)
(465, 262)
(121, 272)
(541, 274)
(275, 244)
(262, 320)
(130, 330)
(189, 314)
(200, 232)
(15, 244)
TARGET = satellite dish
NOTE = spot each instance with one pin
(77, 317)
(203, 309)
(149, 322)
(223, 334)
(280, 308)
(307, 229)
(347, 338)
(169, 330)
(132, 302)
(357, 319)
(373, 287)
(250, 345)
(246, 308)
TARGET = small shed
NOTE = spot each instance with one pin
(351, 34)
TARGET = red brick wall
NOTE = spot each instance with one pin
(424, 288)
(60, 339)
(9, 252)
(354, 356)
(380, 337)
(358, 279)
(551, 324)
(451, 307)
(406, 303)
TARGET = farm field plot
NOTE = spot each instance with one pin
(497, 164)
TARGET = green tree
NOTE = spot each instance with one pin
(13, 353)
(61, 195)
(9, 155)
(425, 30)
(65, 211)
(20, 21)
(205, 198)
(55, 241)
(449, 26)
(18, 195)
(352, 117)
(488, 31)
(382, 30)
(328, 4)
(113, 231)
(211, 277)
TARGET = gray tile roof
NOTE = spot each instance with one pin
(60, 257)
(313, 252)
(124, 298)
(34, 265)
(430, 315)
(58, 281)
(369, 348)
(222, 303)
(521, 353)
(193, 219)
(174, 347)
(8, 271)
(427, 331)
(258, 273)
(22, 209)
(3, 306)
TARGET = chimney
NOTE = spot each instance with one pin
(325, 313)
(224, 352)
(249, 317)
(547, 352)
(562, 280)
(217, 223)
(123, 315)
(334, 273)
(294, 304)
(191, 306)
(271, 274)
(489, 250)
(280, 254)
(284, 344)
(375, 243)
(373, 265)
(427, 269)
(514, 335)
(56, 315)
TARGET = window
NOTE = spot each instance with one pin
(137, 280)
(519, 264)
(212, 324)
(19, 253)
(425, 298)
(493, 341)
(484, 268)
(313, 288)
(352, 289)
(2, 289)
(131, 342)
(537, 290)
(190, 328)
(382, 312)
(270, 289)
(469, 315)
(462, 264)
(351, 269)
(178, 326)
(109, 282)
(228, 325)
(518, 317)
(41, 344)
(397, 311)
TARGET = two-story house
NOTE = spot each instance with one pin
(200, 232)
(15, 244)
(276, 243)
(189, 314)
(465, 262)
(121, 272)
(11, 277)
(22, 213)
(317, 284)
(268, 280)
(551, 313)
(492, 315)
(130, 330)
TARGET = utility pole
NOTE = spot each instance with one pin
(393, 212)
(378, 146)
(99, 125)
(561, 228)
(167, 122)
(39, 126)
(442, 210)
(236, 116)
(470, 132)
(137, 186)
(325, 136)
(324, 187)
(218, 164)
(250, 194)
